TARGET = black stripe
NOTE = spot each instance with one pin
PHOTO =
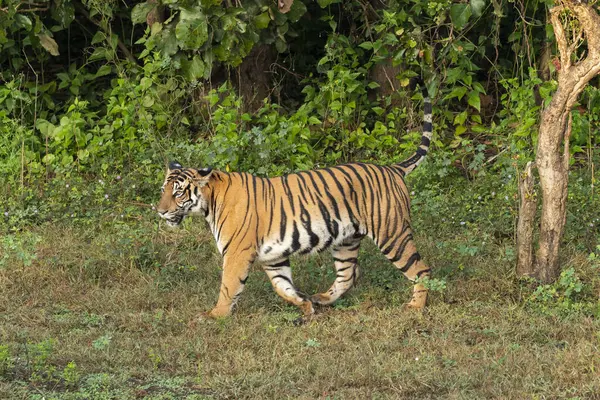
(282, 223)
(354, 247)
(295, 238)
(427, 109)
(284, 263)
(226, 247)
(336, 209)
(243, 281)
(423, 272)
(306, 222)
(285, 278)
(346, 260)
(288, 192)
(427, 126)
(413, 258)
(425, 141)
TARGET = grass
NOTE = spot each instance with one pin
(100, 309)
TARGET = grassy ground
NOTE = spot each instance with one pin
(99, 309)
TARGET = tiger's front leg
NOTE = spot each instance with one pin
(233, 280)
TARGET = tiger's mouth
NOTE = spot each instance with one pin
(173, 221)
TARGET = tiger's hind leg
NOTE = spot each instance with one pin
(403, 253)
(347, 272)
(280, 275)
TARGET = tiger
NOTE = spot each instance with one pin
(267, 220)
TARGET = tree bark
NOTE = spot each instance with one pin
(284, 5)
(527, 211)
(254, 78)
(552, 157)
(156, 14)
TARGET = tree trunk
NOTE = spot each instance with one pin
(553, 167)
(254, 78)
(552, 157)
(527, 210)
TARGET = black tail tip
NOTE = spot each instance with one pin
(415, 81)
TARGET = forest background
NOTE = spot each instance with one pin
(97, 95)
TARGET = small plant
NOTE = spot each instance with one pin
(41, 370)
(19, 247)
(594, 257)
(312, 343)
(155, 359)
(102, 343)
(5, 360)
(71, 374)
(566, 295)
(433, 284)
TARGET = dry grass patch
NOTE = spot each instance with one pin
(115, 302)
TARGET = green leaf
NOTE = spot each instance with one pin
(297, 11)
(194, 69)
(460, 118)
(49, 44)
(460, 130)
(458, 92)
(478, 6)
(98, 37)
(100, 53)
(479, 87)
(262, 21)
(325, 3)
(474, 100)
(23, 21)
(148, 101)
(103, 70)
(140, 12)
(192, 29)
(460, 14)
(280, 45)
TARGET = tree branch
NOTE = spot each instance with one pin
(120, 44)
(561, 39)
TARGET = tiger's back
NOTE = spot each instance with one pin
(312, 210)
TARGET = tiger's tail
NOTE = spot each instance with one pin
(412, 162)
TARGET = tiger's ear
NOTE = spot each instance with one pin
(204, 176)
(204, 172)
(174, 165)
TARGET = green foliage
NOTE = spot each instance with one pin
(565, 296)
(39, 365)
(433, 284)
(214, 33)
(6, 363)
(594, 257)
(19, 248)
(102, 343)
(71, 374)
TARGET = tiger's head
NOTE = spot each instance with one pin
(183, 193)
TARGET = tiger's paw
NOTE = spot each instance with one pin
(322, 299)
(414, 305)
(307, 308)
(219, 312)
(201, 318)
